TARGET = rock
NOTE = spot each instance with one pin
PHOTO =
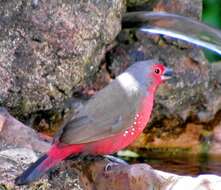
(215, 144)
(16, 133)
(125, 177)
(182, 7)
(12, 161)
(176, 182)
(26, 155)
(50, 49)
(189, 138)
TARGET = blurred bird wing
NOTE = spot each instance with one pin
(110, 112)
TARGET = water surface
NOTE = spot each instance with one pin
(184, 164)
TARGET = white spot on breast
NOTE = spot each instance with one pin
(132, 133)
(133, 129)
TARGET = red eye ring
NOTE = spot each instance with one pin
(157, 71)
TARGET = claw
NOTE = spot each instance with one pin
(109, 167)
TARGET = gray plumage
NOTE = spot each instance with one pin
(112, 109)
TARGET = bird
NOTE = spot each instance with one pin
(110, 120)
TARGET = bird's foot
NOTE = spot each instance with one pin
(109, 166)
(115, 159)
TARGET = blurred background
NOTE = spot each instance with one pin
(212, 16)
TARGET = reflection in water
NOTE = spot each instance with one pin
(183, 167)
(192, 165)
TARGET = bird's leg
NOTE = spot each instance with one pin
(113, 161)
(75, 157)
(85, 157)
(97, 157)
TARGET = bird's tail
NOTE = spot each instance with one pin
(44, 163)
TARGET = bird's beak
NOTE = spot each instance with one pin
(167, 74)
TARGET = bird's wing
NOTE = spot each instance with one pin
(111, 111)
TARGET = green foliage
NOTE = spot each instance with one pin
(212, 16)
(3, 187)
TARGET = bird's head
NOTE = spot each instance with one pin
(147, 74)
(160, 73)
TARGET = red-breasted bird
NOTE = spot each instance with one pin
(109, 121)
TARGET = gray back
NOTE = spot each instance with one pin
(113, 109)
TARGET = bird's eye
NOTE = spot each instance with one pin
(157, 71)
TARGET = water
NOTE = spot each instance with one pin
(191, 165)
(186, 167)
(172, 25)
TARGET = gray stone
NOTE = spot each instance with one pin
(50, 49)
